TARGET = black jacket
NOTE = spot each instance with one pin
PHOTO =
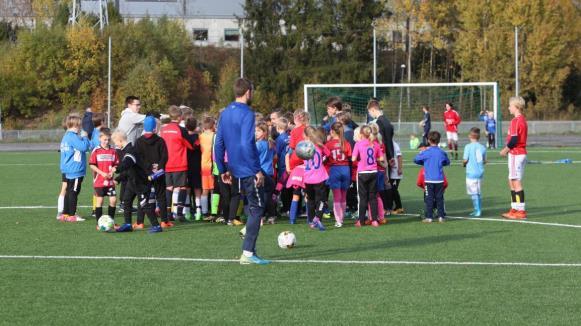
(152, 149)
(386, 131)
(131, 168)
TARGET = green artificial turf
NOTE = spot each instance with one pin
(83, 291)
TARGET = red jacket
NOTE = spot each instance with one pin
(451, 120)
(421, 182)
(176, 140)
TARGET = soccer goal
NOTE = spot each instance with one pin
(402, 103)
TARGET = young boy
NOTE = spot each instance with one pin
(516, 148)
(103, 163)
(426, 124)
(175, 138)
(97, 120)
(73, 147)
(474, 160)
(206, 145)
(395, 176)
(490, 123)
(131, 170)
(433, 159)
(151, 148)
(194, 166)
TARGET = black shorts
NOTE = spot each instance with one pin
(64, 177)
(176, 179)
(105, 192)
(194, 180)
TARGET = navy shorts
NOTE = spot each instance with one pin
(380, 181)
(339, 177)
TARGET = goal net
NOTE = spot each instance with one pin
(402, 103)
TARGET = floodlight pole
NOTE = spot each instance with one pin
(241, 52)
(109, 87)
(516, 81)
(400, 99)
(374, 61)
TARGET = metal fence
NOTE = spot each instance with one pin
(403, 130)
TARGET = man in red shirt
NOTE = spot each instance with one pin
(516, 148)
(103, 162)
(176, 168)
(451, 122)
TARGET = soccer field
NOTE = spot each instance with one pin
(479, 271)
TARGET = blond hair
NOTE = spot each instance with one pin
(282, 124)
(73, 120)
(119, 135)
(367, 133)
(375, 132)
(302, 116)
(312, 134)
(518, 102)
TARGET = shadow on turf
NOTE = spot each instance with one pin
(390, 244)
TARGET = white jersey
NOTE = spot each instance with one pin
(393, 170)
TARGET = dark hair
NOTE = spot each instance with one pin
(425, 107)
(208, 123)
(241, 86)
(191, 124)
(335, 102)
(475, 132)
(98, 119)
(105, 131)
(129, 99)
(337, 127)
(434, 137)
(374, 103)
(450, 104)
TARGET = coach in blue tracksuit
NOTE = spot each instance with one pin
(235, 136)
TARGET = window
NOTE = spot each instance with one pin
(231, 34)
(200, 34)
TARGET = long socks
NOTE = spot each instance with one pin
(204, 204)
(61, 204)
(215, 202)
(476, 203)
(294, 208)
(339, 204)
(380, 210)
(182, 194)
(188, 203)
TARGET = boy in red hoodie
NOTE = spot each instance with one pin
(176, 141)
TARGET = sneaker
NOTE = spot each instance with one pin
(375, 224)
(229, 223)
(509, 214)
(121, 210)
(93, 214)
(138, 226)
(237, 222)
(209, 218)
(427, 220)
(166, 225)
(399, 211)
(220, 220)
(383, 221)
(358, 224)
(198, 216)
(271, 220)
(317, 222)
(126, 227)
(62, 217)
(253, 260)
(338, 225)
(475, 214)
(326, 215)
(74, 218)
(367, 222)
(441, 219)
(155, 229)
(519, 215)
(188, 217)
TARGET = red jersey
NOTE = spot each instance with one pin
(338, 155)
(380, 168)
(296, 136)
(518, 127)
(176, 140)
(104, 160)
(451, 120)
(421, 181)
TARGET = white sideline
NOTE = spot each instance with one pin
(298, 261)
(505, 221)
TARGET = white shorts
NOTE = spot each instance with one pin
(451, 136)
(516, 166)
(473, 186)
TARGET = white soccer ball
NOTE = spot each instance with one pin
(106, 223)
(305, 150)
(287, 240)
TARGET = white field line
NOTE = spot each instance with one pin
(506, 221)
(298, 261)
(556, 151)
(410, 162)
(36, 207)
(28, 164)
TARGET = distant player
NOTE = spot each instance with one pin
(426, 124)
(490, 123)
(451, 121)
(103, 163)
(474, 160)
(340, 170)
(206, 145)
(516, 148)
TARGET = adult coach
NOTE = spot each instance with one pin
(451, 121)
(131, 119)
(385, 128)
(235, 136)
(516, 148)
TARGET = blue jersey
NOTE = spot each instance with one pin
(433, 159)
(281, 147)
(490, 123)
(475, 154)
(95, 139)
(73, 158)
(266, 155)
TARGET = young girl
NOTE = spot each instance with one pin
(367, 154)
(73, 164)
(381, 176)
(340, 171)
(315, 178)
(301, 120)
(266, 155)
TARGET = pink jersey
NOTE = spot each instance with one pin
(366, 153)
(315, 171)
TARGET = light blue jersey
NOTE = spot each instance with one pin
(95, 142)
(475, 154)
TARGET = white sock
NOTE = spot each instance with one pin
(520, 206)
(187, 207)
(174, 200)
(198, 205)
(61, 204)
(204, 204)
(247, 253)
(513, 205)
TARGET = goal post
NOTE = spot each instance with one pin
(402, 103)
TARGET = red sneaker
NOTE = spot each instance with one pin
(375, 224)
(509, 214)
(358, 224)
(166, 225)
(138, 226)
(520, 215)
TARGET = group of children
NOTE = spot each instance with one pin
(170, 170)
